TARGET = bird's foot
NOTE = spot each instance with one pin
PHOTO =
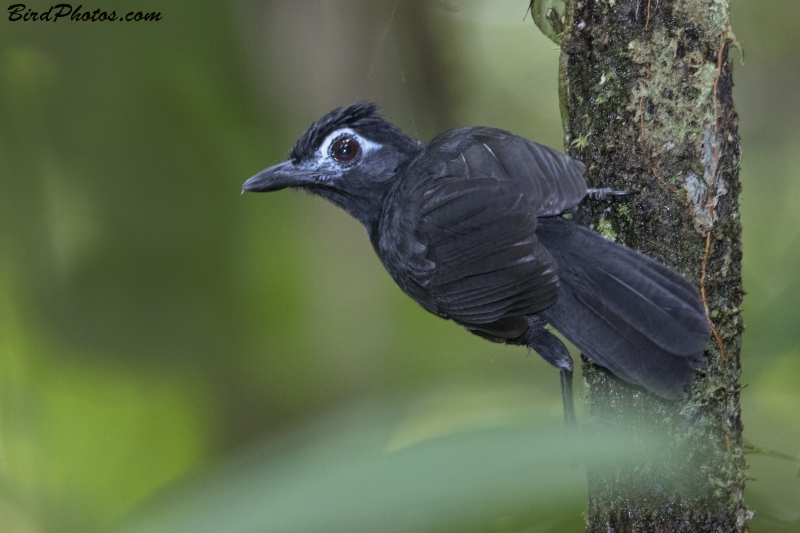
(554, 352)
(567, 397)
(606, 192)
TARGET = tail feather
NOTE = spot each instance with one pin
(623, 310)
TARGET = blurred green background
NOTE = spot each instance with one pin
(177, 357)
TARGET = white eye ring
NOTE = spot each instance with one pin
(345, 150)
(325, 151)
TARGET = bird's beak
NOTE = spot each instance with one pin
(278, 177)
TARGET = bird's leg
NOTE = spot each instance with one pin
(602, 194)
(567, 397)
(554, 352)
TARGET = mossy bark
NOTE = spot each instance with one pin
(646, 101)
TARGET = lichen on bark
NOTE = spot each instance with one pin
(645, 90)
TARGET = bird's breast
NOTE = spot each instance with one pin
(404, 256)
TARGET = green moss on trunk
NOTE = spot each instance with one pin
(646, 101)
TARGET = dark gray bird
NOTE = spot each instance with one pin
(469, 226)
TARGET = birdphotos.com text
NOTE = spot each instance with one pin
(70, 13)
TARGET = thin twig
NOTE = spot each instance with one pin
(670, 187)
(705, 302)
(710, 199)
(641, 117)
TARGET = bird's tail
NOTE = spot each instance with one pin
(623, 310)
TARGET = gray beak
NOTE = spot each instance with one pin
(279, 177)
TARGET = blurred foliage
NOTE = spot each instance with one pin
(372, 468)
(155, 326)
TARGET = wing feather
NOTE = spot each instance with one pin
(470, 202)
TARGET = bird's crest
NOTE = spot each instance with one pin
(340, 117)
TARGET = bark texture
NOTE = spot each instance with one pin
(646, 102)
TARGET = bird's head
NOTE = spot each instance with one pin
(350, 156)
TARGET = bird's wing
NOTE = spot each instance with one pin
(475, 257)
(552, 181)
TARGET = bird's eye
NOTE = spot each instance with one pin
(345, 150)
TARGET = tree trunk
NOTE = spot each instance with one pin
(646, 101)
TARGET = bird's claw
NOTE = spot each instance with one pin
(606, 192)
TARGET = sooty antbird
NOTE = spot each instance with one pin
(469, 226)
